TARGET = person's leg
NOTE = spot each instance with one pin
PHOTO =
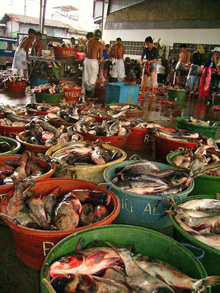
(144, 85)
(190, 92)
(152, 77)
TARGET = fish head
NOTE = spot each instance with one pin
(66, 264)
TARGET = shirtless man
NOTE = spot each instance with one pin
(184, 60)
(116, 52)
(94, 51)
(37, 46)
(21, 53)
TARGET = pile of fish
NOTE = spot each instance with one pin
(85, 154)
(40, 132)
(120, 108)
(145, 177)
(21, 168)
(198, 161)
(199, 122)
(66, 115)
(13, 120)
(14, 78)
(177, 88)
(55, 210)
(112, 269)
(15, 109)
(48, 89)
(110, 127)
(178, 135)
(139, 123)
(70, 85)
(200, 218)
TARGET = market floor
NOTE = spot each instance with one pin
(15, 276)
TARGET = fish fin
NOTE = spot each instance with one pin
(80, 244)
(106, 281)
(119, 270)
(201, 284)
(92, 244)
(170, 212)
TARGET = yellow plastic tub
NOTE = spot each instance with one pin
(93, 173)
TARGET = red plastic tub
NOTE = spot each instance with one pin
(71, 95)
(19, 86)
(140, 139)
(10, 131)
(163, 145)
(48, 167)
(80, 55)
(32, 245)
(117, 141)
(65, 52)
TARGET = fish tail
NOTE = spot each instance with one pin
(206, 282)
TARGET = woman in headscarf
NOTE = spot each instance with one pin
(205, 81)
(193, 77)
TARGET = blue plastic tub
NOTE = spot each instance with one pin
(120, 92)
(35, 81)
(142, 210)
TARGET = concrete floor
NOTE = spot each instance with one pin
(15, 276)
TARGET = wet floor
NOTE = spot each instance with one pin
(15, 276)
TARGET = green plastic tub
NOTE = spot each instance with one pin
(146, 241)
(176, 94)
(203, 184)
(12, 142)
(55, 99)
(142, 210)
(211, 260)
(205, 130)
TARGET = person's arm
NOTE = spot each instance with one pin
(216, 64)
(142, 56)
(101, 52)
(32, 51)
(188, 58)
(40, 48)
(110, 52)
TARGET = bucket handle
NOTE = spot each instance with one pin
(196, 248)
(135, 157)
(109, 185)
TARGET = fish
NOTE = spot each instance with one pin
(47, 127)
(88, 261)
(50, 201)
(201, 204)
(212, 240)
(173, 277)
(20, 171)
(178, 135)
(100, 212)
(66, 214)
(86, 214)
(93, 196)
(138, 279)
(37, 208)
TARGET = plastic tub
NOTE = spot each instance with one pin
(164, 145)
(55, 99)
(117, 141)
(10, 131)
(93, 173)
(34, 148)
(140, 139)
(36, 81)
(203, 184)
(142, 210)
(49, 171)
(176, 94)
(205, 130)
(211, 259)
(148, 242)
(32, 245)
(19, 86)
(71, 95)
(12, 143)
(80, 56)
(65, 52)
(121, 92)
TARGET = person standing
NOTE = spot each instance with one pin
(193, 77)
(116, 53)
(94, 52)
(73, 43)
(184, 60)
(151, 54)
(37, 46)
(21, 53)
(205, 81)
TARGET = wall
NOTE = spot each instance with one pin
(11, 26)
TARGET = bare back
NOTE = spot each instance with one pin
(184, 57)
(117, 51)
(94, 49)
(26, 44)
(38, 47)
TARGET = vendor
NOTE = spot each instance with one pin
(73, 43)
(94, 51)
(37, 46)
(105, 55)
(116, 53)
(151, 54)
(183, 62)
(21, 54)
(205, 81)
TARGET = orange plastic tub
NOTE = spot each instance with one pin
(80, 55)
(71, 95)
(65, 52)
(19, 86)
(33, 245)
(139, 139)
(49, 171)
